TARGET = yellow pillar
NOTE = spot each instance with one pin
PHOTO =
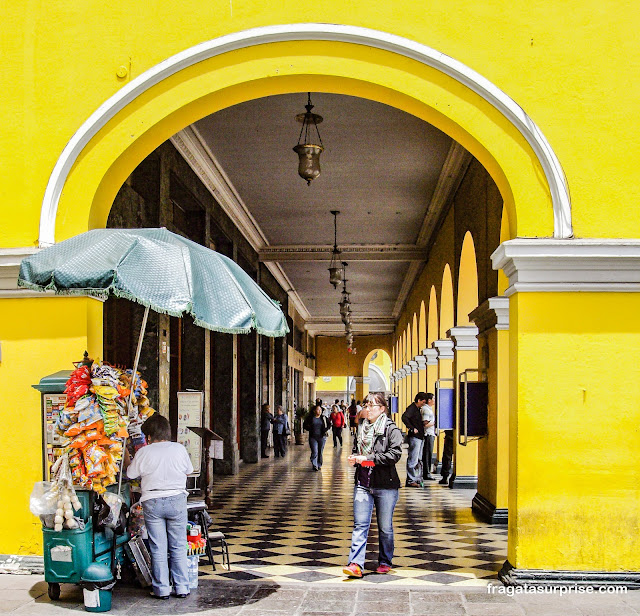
(465, 457)
(421, 360)
(414, 378)
(492, 320)
(443, 353)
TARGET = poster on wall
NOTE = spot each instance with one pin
(190, 408)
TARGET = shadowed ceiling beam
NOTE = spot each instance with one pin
(348, 253)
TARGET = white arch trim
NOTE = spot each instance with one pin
(380, 375)
(316, 32)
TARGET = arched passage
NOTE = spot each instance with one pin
(377, 367)
(422, 344)
(432, 326)
(341, 59)
(446, 303)
(467, 281)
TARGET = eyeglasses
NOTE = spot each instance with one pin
(372, 406)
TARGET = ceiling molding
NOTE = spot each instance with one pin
(455, 166)
(407, 284)
(283, 280)
(451, 175)
(201, 159)
(352, 252)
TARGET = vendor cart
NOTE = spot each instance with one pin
(68, 553)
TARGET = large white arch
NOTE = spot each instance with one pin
(316, 32)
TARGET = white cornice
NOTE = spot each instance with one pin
(421, 360)
(431, 356)
(10, 259)
(492, 313)
(444, 348)
(588, 265)
(465, 337)
(127, 94)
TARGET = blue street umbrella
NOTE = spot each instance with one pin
(160, 270)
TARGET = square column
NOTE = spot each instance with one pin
(465, 457)
(443, 352)
(492, 499)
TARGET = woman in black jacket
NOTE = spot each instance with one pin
(317, 425)
(376, 450)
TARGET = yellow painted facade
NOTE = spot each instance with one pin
(573, 499)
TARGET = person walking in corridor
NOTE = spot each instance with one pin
(353, 413)
(317, 425)
(376, 450)
(337, 424)
(412, 419)
(428, 420)
(266, 419)
(280, 432)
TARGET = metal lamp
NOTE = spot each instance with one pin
(309, 148)
(335, 271)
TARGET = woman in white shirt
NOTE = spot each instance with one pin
(162, 467)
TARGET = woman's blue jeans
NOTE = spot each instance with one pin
(166, 523)
(317, 445)
(364, 500)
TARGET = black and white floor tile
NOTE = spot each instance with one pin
(286, 523)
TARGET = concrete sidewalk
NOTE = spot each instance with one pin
(27, 594)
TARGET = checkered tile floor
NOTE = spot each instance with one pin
(286, 523)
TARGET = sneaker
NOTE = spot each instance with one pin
(430, 477)
(444, 481)
(383, 568)
(163, 597)
(413, 484)
(180, 595)
(353, 570)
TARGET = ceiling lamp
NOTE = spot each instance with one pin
(335, 271)
(309, 146)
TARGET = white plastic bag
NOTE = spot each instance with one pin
(115, 504)
(43, 499)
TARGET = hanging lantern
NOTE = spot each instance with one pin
(345, 308)
(335, 271)
(309, 146)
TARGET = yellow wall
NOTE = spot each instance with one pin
(333, 359)
(65, 60)
(575, 501)
(38, 338)
(335, 383)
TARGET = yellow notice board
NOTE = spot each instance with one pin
(190, 408)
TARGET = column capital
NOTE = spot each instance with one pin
(444, 348)
(431, 356)
(465, 337)
(407, 369)
(414, 365)
(588, 264)
(492, 313)
(421, 360)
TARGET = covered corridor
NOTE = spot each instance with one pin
(286, 524)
